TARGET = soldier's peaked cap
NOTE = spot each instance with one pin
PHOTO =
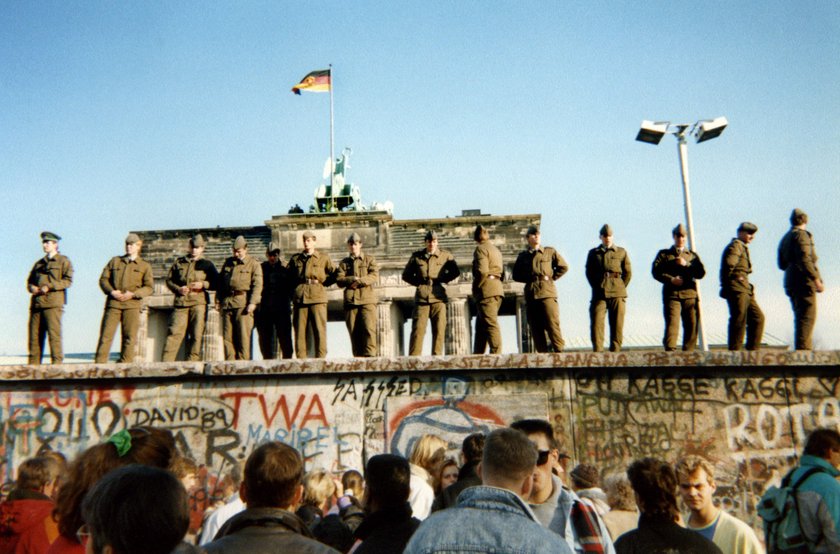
(747, 227)
(273, 248)
(431, 234)
(606, 230)
(679, 230)
(532, 230)
(197, 240)
(353, 238)
(240, 242)
(308, 234)
(48, 235)
(132, 238)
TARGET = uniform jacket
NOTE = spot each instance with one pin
(276, 294)
(488, 271)
(429, 272)
(125, 275)
(265, 531)
(798, 259)
(240, 283)
(185, 271)
(735, 268)
(486, 519)
(608, 271)
(538, 269)
(304, 268)
(57, 274)
(665, 268)
(362, 270)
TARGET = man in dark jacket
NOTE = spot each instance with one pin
(272, 489)
(471, 449)
(678, 268)
(798, 259)
(389, 524)
(745, 317)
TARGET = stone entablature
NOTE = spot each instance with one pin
(390, 240)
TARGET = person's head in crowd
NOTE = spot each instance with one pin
(353, 483)
(825, 444)
(387, 479)
(230, 482)
(448, 473)
(696, 478)
(619, 492)
(186, 470)
(655, 485)
(508, 461)
(273, 477)
(585, 476)
(147, 446)
(135, 509)
(540, 432)
(319, 489)
(41, 474)
(472, 448)
(428, 452)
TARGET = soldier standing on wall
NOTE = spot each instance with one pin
(538, 267)
(274, 314)
(358, 274)
(745, 317)
(488, 293)
(311, 272)
(240, 292)
(428, 270)
(47, 281)
(678, 269)
(608, 272)
(189, 278)
(126, 280)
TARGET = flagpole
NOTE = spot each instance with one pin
(332, 148)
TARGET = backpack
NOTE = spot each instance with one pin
(779, 509)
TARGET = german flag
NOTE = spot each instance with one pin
(315, 81)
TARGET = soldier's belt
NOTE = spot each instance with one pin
(541, 278)
(613, 274)
(312, 281)
(239, 293)
(493, 277)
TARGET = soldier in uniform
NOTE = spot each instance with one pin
(358, 274)
(47, 281)
(428, 270)
(798, 259)
(488, 271)
(126, 280)
(311, 272)
(608, 272)
(239, 294)
(274, 314)
(189, 278)
(745, 317)
(538, 267)
(678, 269)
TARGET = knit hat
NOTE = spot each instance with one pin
(585, 476)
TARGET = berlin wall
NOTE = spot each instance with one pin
(748, 413)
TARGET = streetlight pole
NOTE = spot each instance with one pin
(705, 129)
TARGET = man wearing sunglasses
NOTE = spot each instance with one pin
(557, 508)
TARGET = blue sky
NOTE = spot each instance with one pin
(118, 116)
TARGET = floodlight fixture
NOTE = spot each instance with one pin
(652, 132)
(710, 129)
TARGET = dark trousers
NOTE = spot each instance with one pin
(487, 331)
(544, 322)
(45, 323)
(274, 325)
(185, 321)
(676, 310)
(129, 321)
(419, 318)
(745, 317)
(361, 324)
(614, 308)
(804, 319)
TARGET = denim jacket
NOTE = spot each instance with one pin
(486, 519)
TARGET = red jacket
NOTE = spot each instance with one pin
(24, 521)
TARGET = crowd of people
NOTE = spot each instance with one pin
(279, 297)
(512, 493)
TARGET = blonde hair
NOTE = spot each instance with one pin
(692, 463)
(318, 486)
(428, 452)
